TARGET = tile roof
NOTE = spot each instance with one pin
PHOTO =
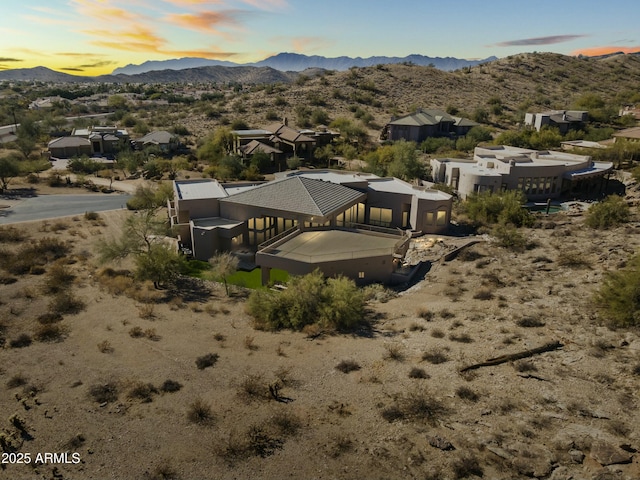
(159, 136)
(256, 146)
(431, 117)
(63, 142)
(299, 195)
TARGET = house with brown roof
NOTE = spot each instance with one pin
(425, 123)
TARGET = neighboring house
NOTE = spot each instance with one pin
(104, 140)
(573, 144)
(165, 141)
(67, 147)
(354, 224)
(425, 123)
(630, 134)
(540, 175)
(564, 120)
(281, 141)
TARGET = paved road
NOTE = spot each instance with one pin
(52, 206)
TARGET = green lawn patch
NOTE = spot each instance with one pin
(253, 279)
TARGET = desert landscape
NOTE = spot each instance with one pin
(134, 382)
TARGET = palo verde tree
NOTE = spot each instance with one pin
(141, 239)
(9, 168)
(223, 265)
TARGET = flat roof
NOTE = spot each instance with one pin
(199, 189)
(395, 185)
(212, 223)
(330, 245)
(330, 176)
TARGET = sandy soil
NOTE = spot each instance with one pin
(568, 413)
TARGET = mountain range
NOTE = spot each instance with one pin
(294, 62)
(284, 67)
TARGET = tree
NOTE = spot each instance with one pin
(334, 304)
(9, 168)
(223, 265)
(27, 136)
(610, 212)
(504, 208)
(619, 295)
(160, 264)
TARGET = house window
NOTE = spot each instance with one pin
(441, 218)
(360, 274)
(520, 183)
(429, 218)
(554, 184)
(380, 216)
(405, 219)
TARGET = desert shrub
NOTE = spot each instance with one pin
(75, 442)
(208, 360)
(286, 423)
(617, 298)
(49, 317)
(416, 372)
(610, 212)
(104, 392)
(11, 235)
(530, 322)
(51, 332)
(465, 466)
(338, 445)
(510, 237)
(65, 302)
(418, 404)
(526, 366)
(136, 332)
(170, 386)
(143, 392)
(91, 216)
(393, 351)
(572, 259)
(416, 327)
(58, 278)
(200, 413)
(425, 314)
(462, 338)
(445, 314)
(252, 387)
(346, 366)
(636, 369)
(105, 347)
(16, 381)
(21, 341)
(164, 471)
(466, 393)
(437, 333)
(435, 356)
(334, 303)
(483, 294)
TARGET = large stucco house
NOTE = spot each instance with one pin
(540, 175)
(354, 224)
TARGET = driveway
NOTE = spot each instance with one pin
(52, 206)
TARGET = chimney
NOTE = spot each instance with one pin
(285, 121)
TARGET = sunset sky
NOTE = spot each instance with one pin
(92, 37)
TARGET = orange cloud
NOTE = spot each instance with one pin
(205, 21)
(305, 44)
(596, 51)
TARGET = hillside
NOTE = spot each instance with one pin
(523, 82)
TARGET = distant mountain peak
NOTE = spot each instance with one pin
(297, 62)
